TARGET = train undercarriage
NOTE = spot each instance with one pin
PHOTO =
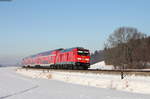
(76, 66)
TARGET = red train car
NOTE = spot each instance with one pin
(41, 59)
(72, 58)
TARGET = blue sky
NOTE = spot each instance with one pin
(32, 26)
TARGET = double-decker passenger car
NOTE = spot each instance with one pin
(72, 58)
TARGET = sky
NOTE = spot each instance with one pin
(28, 27)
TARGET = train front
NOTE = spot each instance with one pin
(83, 58)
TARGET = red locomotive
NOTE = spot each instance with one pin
(72, 58)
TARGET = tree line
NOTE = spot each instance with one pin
(126, 47)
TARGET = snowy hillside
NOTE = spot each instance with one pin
(131, 83)
(16, 86)
(33, 85)
(101, 65)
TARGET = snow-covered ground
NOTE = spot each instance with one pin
(101, 65)
(16, 86)
(136, 84)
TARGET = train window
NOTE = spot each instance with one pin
(84, 53)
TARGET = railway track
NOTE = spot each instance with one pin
(116, 70)
(122, 72)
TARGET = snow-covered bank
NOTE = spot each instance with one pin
(34, 73)
(132, 83)
(101, 65)
(16, 86)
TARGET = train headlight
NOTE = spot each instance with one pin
(79, 58)
(87, 59)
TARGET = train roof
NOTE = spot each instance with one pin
(44, 53)
(69, 49)
(48, 52)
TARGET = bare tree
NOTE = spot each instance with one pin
(121, 45)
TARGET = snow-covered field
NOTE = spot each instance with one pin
(136, 84)
(101, 65)
(16, 86)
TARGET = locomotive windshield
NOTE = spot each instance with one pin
(83, 53)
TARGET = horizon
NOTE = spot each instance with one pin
(29, 27)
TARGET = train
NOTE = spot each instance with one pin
(70, 58)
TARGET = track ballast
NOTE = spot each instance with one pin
(142, 72)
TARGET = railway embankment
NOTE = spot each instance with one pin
(131, 83)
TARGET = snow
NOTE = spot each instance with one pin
(136, 84)
(101, 65)
(16, 86)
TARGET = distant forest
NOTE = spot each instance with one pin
(1, 65)
(97, 56)
(126, 47)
